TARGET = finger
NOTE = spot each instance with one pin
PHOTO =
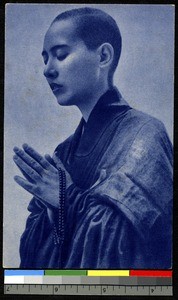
(25, 184)
(50, 160)
(39, 158)
(26, 176)
(58, 162)
(26, 168)
(29, 160)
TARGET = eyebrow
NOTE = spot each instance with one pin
(53, 49)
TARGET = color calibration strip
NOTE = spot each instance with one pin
(88, 282)
(124, 277)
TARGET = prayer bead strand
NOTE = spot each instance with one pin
(59, 236)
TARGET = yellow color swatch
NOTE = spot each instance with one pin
(108, 272)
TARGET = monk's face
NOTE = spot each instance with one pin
(71, 69)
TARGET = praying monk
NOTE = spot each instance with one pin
(104, 200)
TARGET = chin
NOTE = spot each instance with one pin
(64, 101)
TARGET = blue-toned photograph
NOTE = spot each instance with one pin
(88, 164)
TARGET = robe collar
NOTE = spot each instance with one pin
(109, 106)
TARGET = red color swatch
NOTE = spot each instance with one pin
(151, 273)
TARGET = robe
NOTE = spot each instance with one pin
(118, 210)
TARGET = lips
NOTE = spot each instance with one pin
(55, 87)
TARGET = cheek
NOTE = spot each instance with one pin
(80, 69)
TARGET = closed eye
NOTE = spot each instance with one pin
(62, 57)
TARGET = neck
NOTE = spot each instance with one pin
(88, 104)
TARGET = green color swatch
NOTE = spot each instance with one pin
(65, 272)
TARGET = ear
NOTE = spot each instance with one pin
(106, 55)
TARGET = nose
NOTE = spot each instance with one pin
(50, 73)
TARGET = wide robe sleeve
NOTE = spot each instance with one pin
(125, 219)
(37, 246)
(122, 221)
